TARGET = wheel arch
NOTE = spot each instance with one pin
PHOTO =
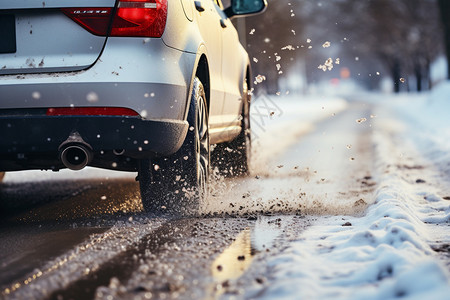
(202, 72)
(247, 78)
(248, 97)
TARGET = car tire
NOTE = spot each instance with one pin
(178, 183)
(233, 158)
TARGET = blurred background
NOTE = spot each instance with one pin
(305, 46)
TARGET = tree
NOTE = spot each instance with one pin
(402, 34)
(398, 37)
(444, 6)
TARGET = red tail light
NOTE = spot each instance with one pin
(132, 18)
(91, 111)
(95, 20)
(145, 18)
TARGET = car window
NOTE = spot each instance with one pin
(225, 3)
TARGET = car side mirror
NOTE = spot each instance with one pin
(242, 8)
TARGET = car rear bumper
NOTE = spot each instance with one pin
(33, 142)
(140, 74)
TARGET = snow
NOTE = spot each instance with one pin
(429, 110)
(65, 174)
(272, 118)
(387, 253)
(382, 255)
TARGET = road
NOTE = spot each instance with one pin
(87, 238)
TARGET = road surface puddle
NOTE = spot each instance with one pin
(235, 259)
(239, 256)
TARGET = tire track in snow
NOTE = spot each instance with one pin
(327, 171)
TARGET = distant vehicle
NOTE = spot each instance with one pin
(131, 85)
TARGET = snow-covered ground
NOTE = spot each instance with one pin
(282, 120)
(391, 251)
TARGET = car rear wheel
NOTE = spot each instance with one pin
(179, 182)
(233, 158)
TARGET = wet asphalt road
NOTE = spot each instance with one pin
(87, 238)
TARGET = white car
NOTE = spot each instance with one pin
(134, 85)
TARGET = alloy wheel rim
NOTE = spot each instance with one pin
(202, 147)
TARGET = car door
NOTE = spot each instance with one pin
(231, 74)
(208, 20)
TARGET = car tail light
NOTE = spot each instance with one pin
(94, 20)
(145, 18)
(132, 18)
(91, 111)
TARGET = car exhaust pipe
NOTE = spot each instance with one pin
(75, 157)
(119, 152)
(75, 153)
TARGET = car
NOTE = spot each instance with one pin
(130, 85)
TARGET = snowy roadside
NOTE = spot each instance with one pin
(427, 115)
(272, 119)
(390, 252)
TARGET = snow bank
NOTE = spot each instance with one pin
(429, 112)
(436, 113)
(386, 254)
(428, 118)
(383, 255)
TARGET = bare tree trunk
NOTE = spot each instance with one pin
(396, 76)
(444, 6)
(418, 74)
(428, 75)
